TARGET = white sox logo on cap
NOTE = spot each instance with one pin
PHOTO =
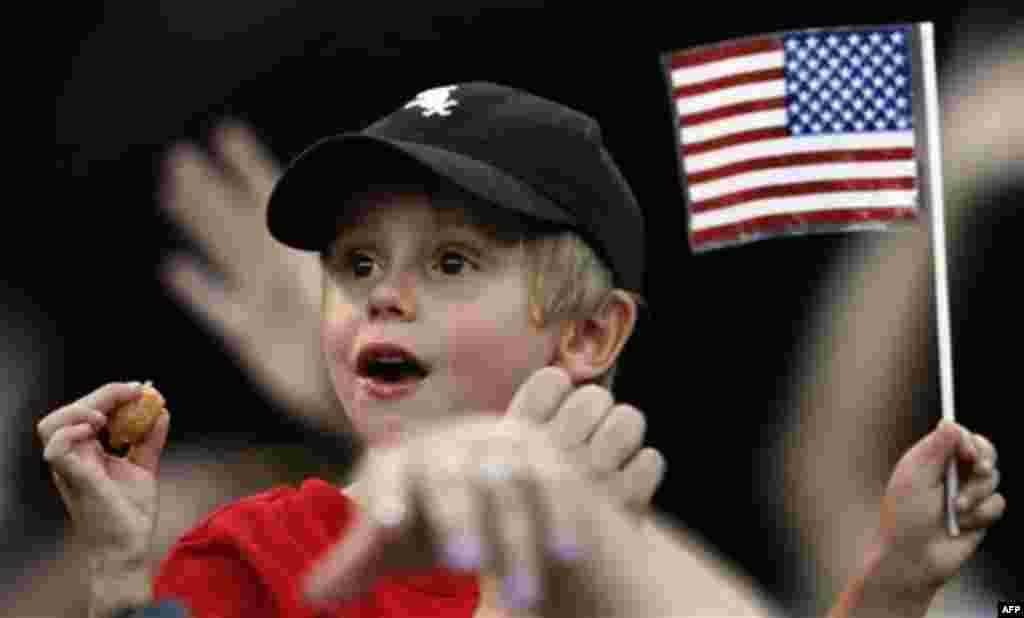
(435, 102)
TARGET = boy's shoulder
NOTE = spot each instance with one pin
(313, 513)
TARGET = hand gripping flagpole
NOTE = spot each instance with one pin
(937, 209)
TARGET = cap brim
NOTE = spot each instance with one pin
(307, 200)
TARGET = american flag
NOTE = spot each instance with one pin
(801, 132)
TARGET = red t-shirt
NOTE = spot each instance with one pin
(248, 559)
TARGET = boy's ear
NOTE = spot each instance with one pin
(588, 348)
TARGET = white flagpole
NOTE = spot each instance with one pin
(937, 209)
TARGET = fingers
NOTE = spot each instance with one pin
(194, 288)
(59, 454)
(540, 396)
(929, 456)
(985, 514)
(640, 479)
(456, 513)
(619, 437)
(245, 156)
(987, 454)
(514, 533)
(580, 416)
(197, 196)
(92, 408)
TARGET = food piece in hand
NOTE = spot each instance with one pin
(130, 423)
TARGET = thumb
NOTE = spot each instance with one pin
(146, 454)
(930, 454)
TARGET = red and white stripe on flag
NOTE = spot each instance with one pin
(800, 132)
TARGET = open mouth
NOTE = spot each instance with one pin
(389, 364)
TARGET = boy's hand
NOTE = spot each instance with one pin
(112, 500)
(604, 438)
(267, 306)
(914, 540)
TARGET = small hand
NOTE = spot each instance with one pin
(913, 506)
(267, 307)
(112, 500)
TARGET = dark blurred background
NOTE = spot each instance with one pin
(711, 360)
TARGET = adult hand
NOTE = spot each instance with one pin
(604, 438)
(266, 303)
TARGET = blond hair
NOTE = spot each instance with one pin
(568, 282)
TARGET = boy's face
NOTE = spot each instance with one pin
(443, 292)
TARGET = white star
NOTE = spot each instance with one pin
(833, 40)
(845, 72)
(901, 102)
(858, 104)
(846, 93)
(816, 127)
(827, 116)
(888, 70)
(805, 118)
(879, 103)
(855, 39)
(835, 83)
(823, 52)
(876, 38)
(813, 64)
(898, 60)
(887, 49)
(814, 84)
(812, 41)
(896, 38)
(844, 51)
(801, 54)
(865, 50)
(859, 125)
(794, 108)
(798, 129)
(890, 113)
(878, 82)
(902, 123)
(879, 124)
(890, 92)
(870, 114)
(837, 126)
(856, 61)
(857, 83)
(815, 106)
(899, 80)
(793, 66)
(876, 60)
(836, 105)
(792, 44)
(847, 115)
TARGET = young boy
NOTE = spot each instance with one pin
(482, 267)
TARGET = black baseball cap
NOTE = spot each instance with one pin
(512, 149)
